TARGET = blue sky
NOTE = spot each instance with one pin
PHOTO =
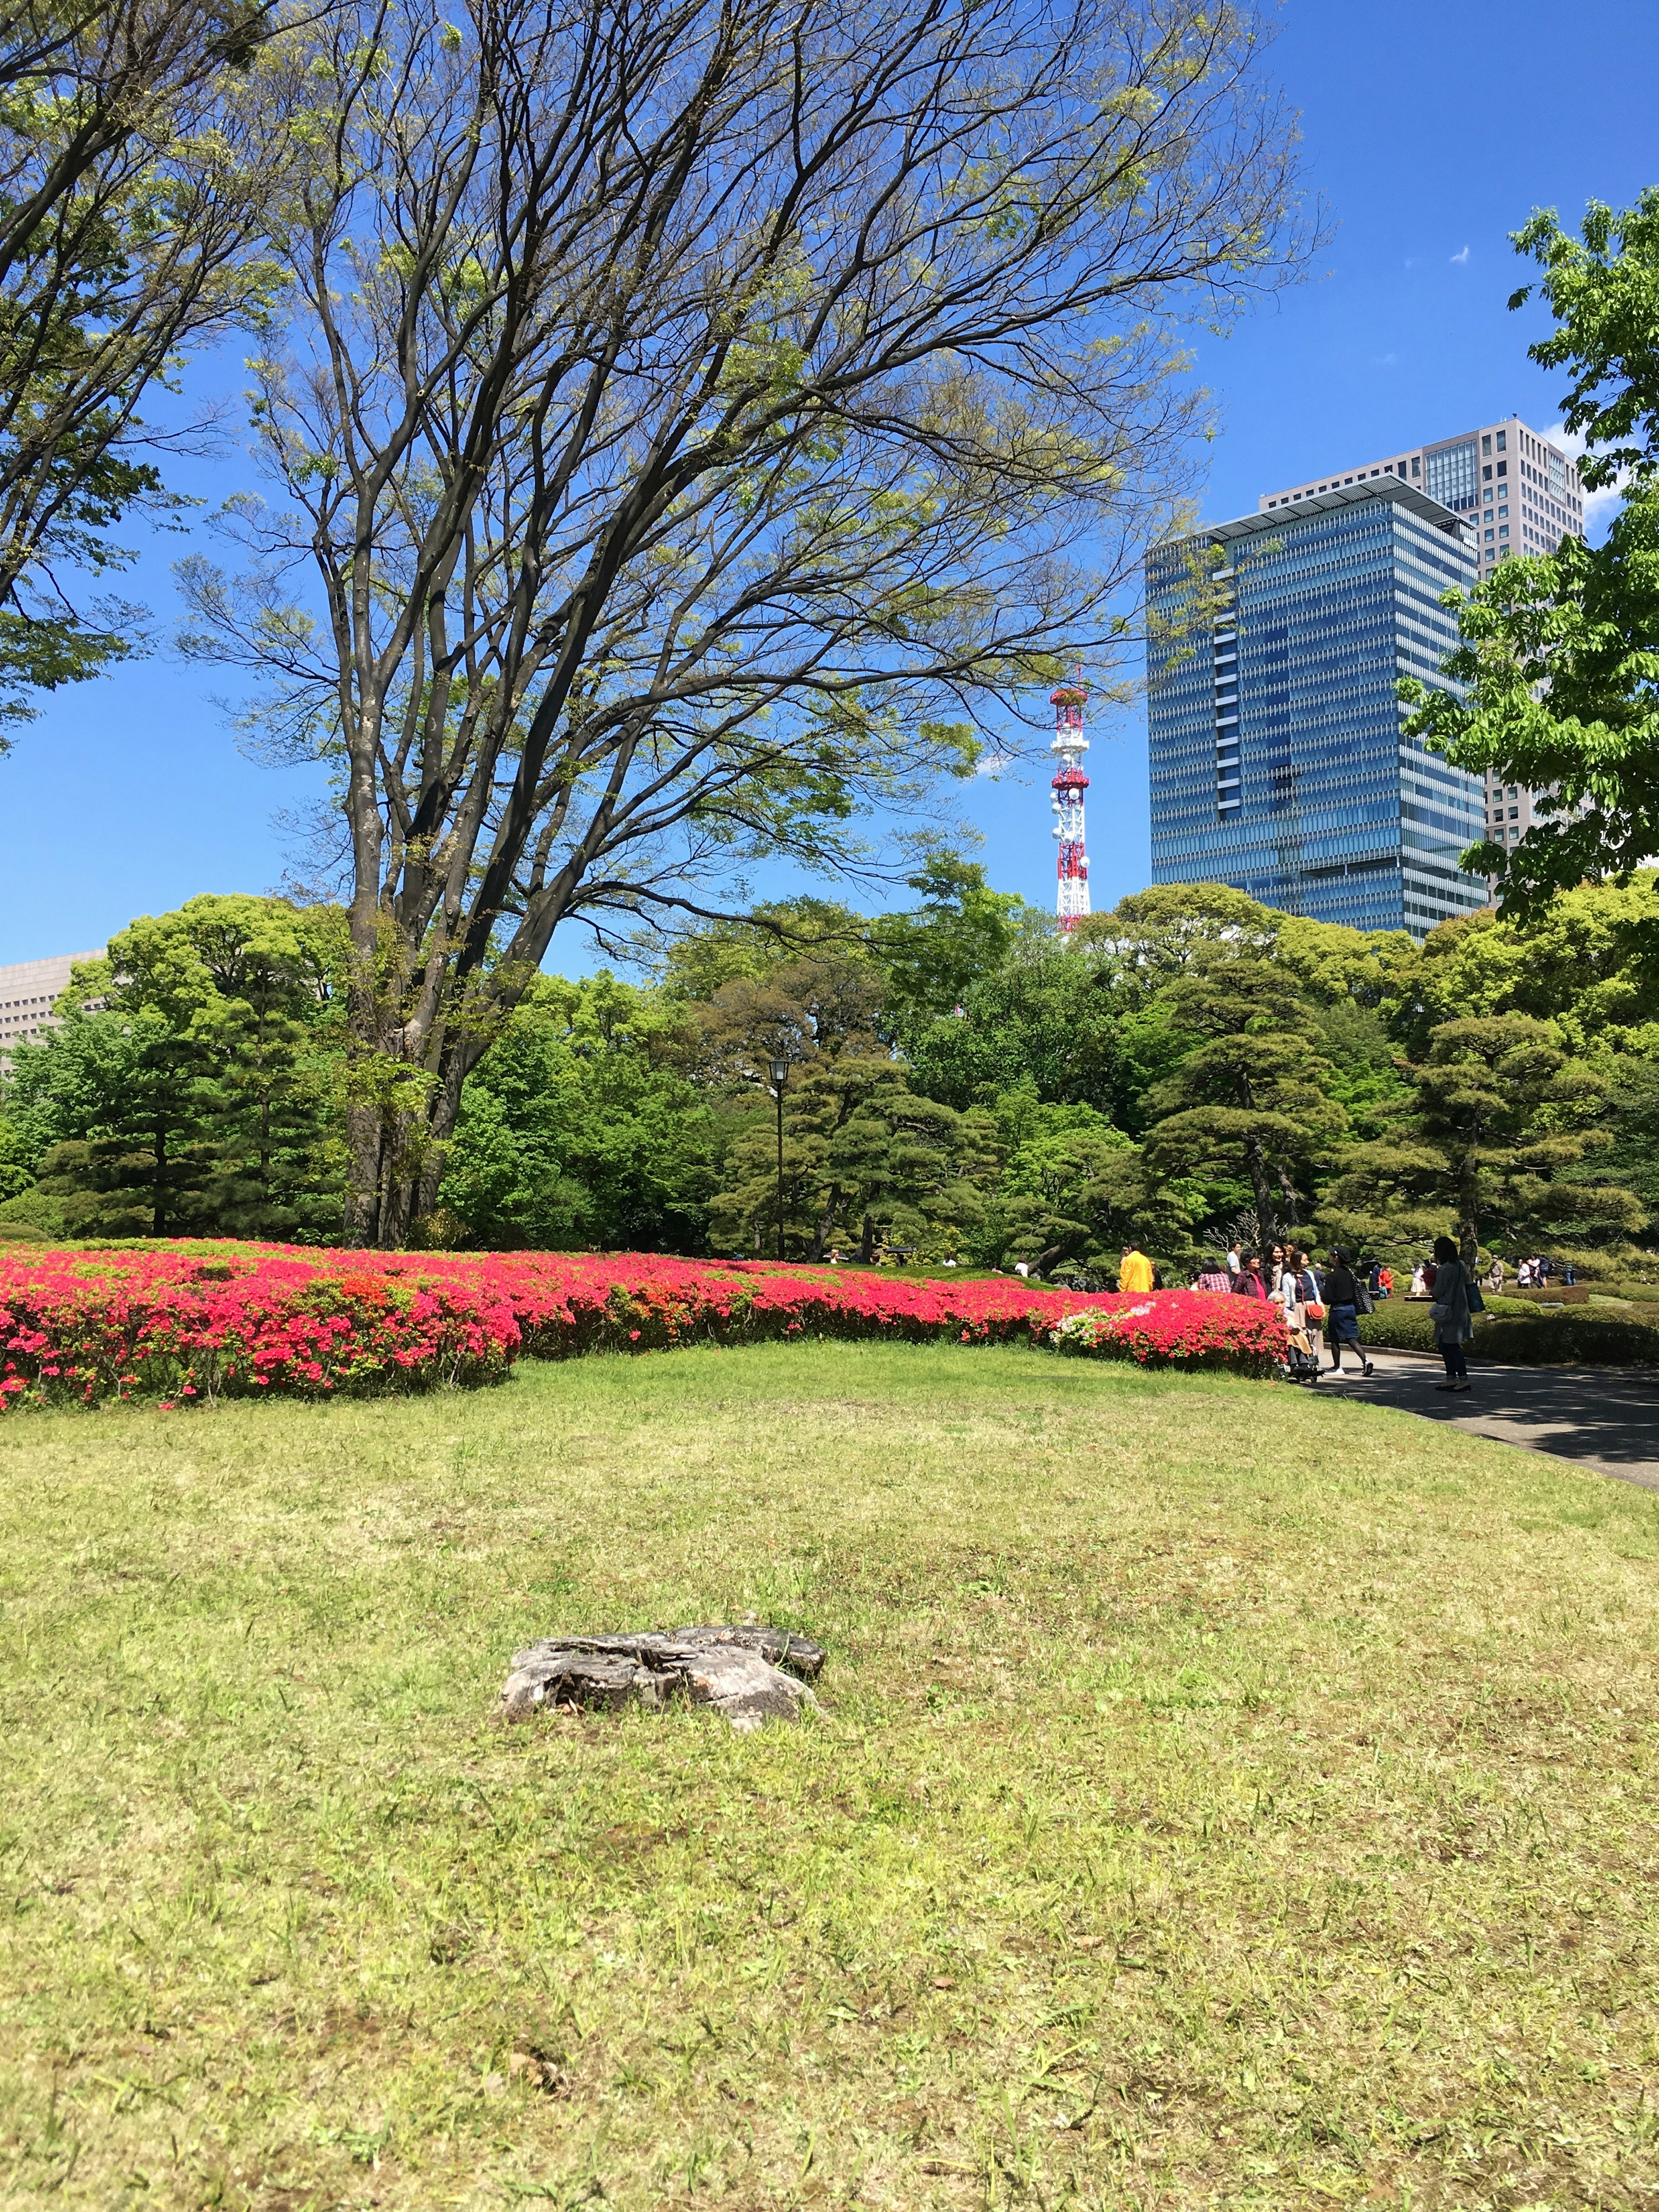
(1430, 132)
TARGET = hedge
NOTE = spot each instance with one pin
(1571, 1338)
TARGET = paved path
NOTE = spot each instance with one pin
(1606, 1418)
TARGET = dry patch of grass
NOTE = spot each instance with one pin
(1226, 1797)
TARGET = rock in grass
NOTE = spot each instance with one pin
(749, 1675)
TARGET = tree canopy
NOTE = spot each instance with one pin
(1190, 1065)
(697, 428)
(1558, 670)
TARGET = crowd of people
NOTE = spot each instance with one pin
(1322, 1305)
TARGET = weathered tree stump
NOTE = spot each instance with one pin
(751, 1674)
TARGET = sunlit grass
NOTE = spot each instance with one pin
(1224, 1796)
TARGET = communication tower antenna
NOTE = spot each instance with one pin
(1072, 872)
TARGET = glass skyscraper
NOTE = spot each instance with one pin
(1278, 762)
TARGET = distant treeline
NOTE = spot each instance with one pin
(964, 1082)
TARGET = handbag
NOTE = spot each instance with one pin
(1477, 1303)
(1314, 1310)
(1362, 1303)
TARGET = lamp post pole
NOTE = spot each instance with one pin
(780, 1069)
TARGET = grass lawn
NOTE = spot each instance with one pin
(1225, 1796)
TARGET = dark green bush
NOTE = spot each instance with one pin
(1571, 1338)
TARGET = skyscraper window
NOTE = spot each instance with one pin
(1311, 799)
(1449, 475)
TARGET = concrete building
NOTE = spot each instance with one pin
(1278, 761)
(27, 992)
(1518, 493)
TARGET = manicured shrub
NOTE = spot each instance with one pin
(1180, 1328)
(1571, 1337)
(195, 1322)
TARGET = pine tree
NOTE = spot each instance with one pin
(1499, 1115)
(1253, 1099)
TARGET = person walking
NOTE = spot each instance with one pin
(1313, 1301)
(1342, 1311)
(1214, 1276)
(1247, 1282)
(1454, 1324)
(1495, 1276)
(1234, 1259)
(1134, 1269)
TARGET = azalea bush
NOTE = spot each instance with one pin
(191, 1322)
(1178, 1328)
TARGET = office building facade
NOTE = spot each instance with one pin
(27, 990)
(1517, 492)
(1278, 761)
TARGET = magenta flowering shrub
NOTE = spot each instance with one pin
(1179, 1328)
(192, 1323)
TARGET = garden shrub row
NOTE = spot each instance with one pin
(1569, 1338)
(193, 1322)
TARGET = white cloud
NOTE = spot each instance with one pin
(1600, 507)
(1458, 259)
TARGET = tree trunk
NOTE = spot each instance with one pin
(363, 1201)
(1266, 1224)
(1469, 1217)
(1287, 1189)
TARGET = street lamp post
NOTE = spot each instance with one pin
(778, 1069)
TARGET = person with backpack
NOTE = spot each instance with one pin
(1454, 1323)
(1342, 1311)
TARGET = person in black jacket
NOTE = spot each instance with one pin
(1342, 1311)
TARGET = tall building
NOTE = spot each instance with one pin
(27, 992)
(1278, 761)
(1519, 492)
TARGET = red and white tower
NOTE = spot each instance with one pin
(1071, 891)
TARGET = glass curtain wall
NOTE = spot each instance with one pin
(1278, 763)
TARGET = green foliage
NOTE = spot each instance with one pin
(134, 184)
(866, 1159)
(1557, 664)
(1571, 1337)
(1074, 1190)
(579, 1127)
(193, 1083)
(930, 957)
(1184, 1063)
(1254, 1097)
(1500, 1112)
(1046, 1014)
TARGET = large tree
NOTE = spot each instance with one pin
(1558, 670)
(693, 419)
(1499, 1117)
(135, 165)
(1254, 1098)
(193, 1082)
